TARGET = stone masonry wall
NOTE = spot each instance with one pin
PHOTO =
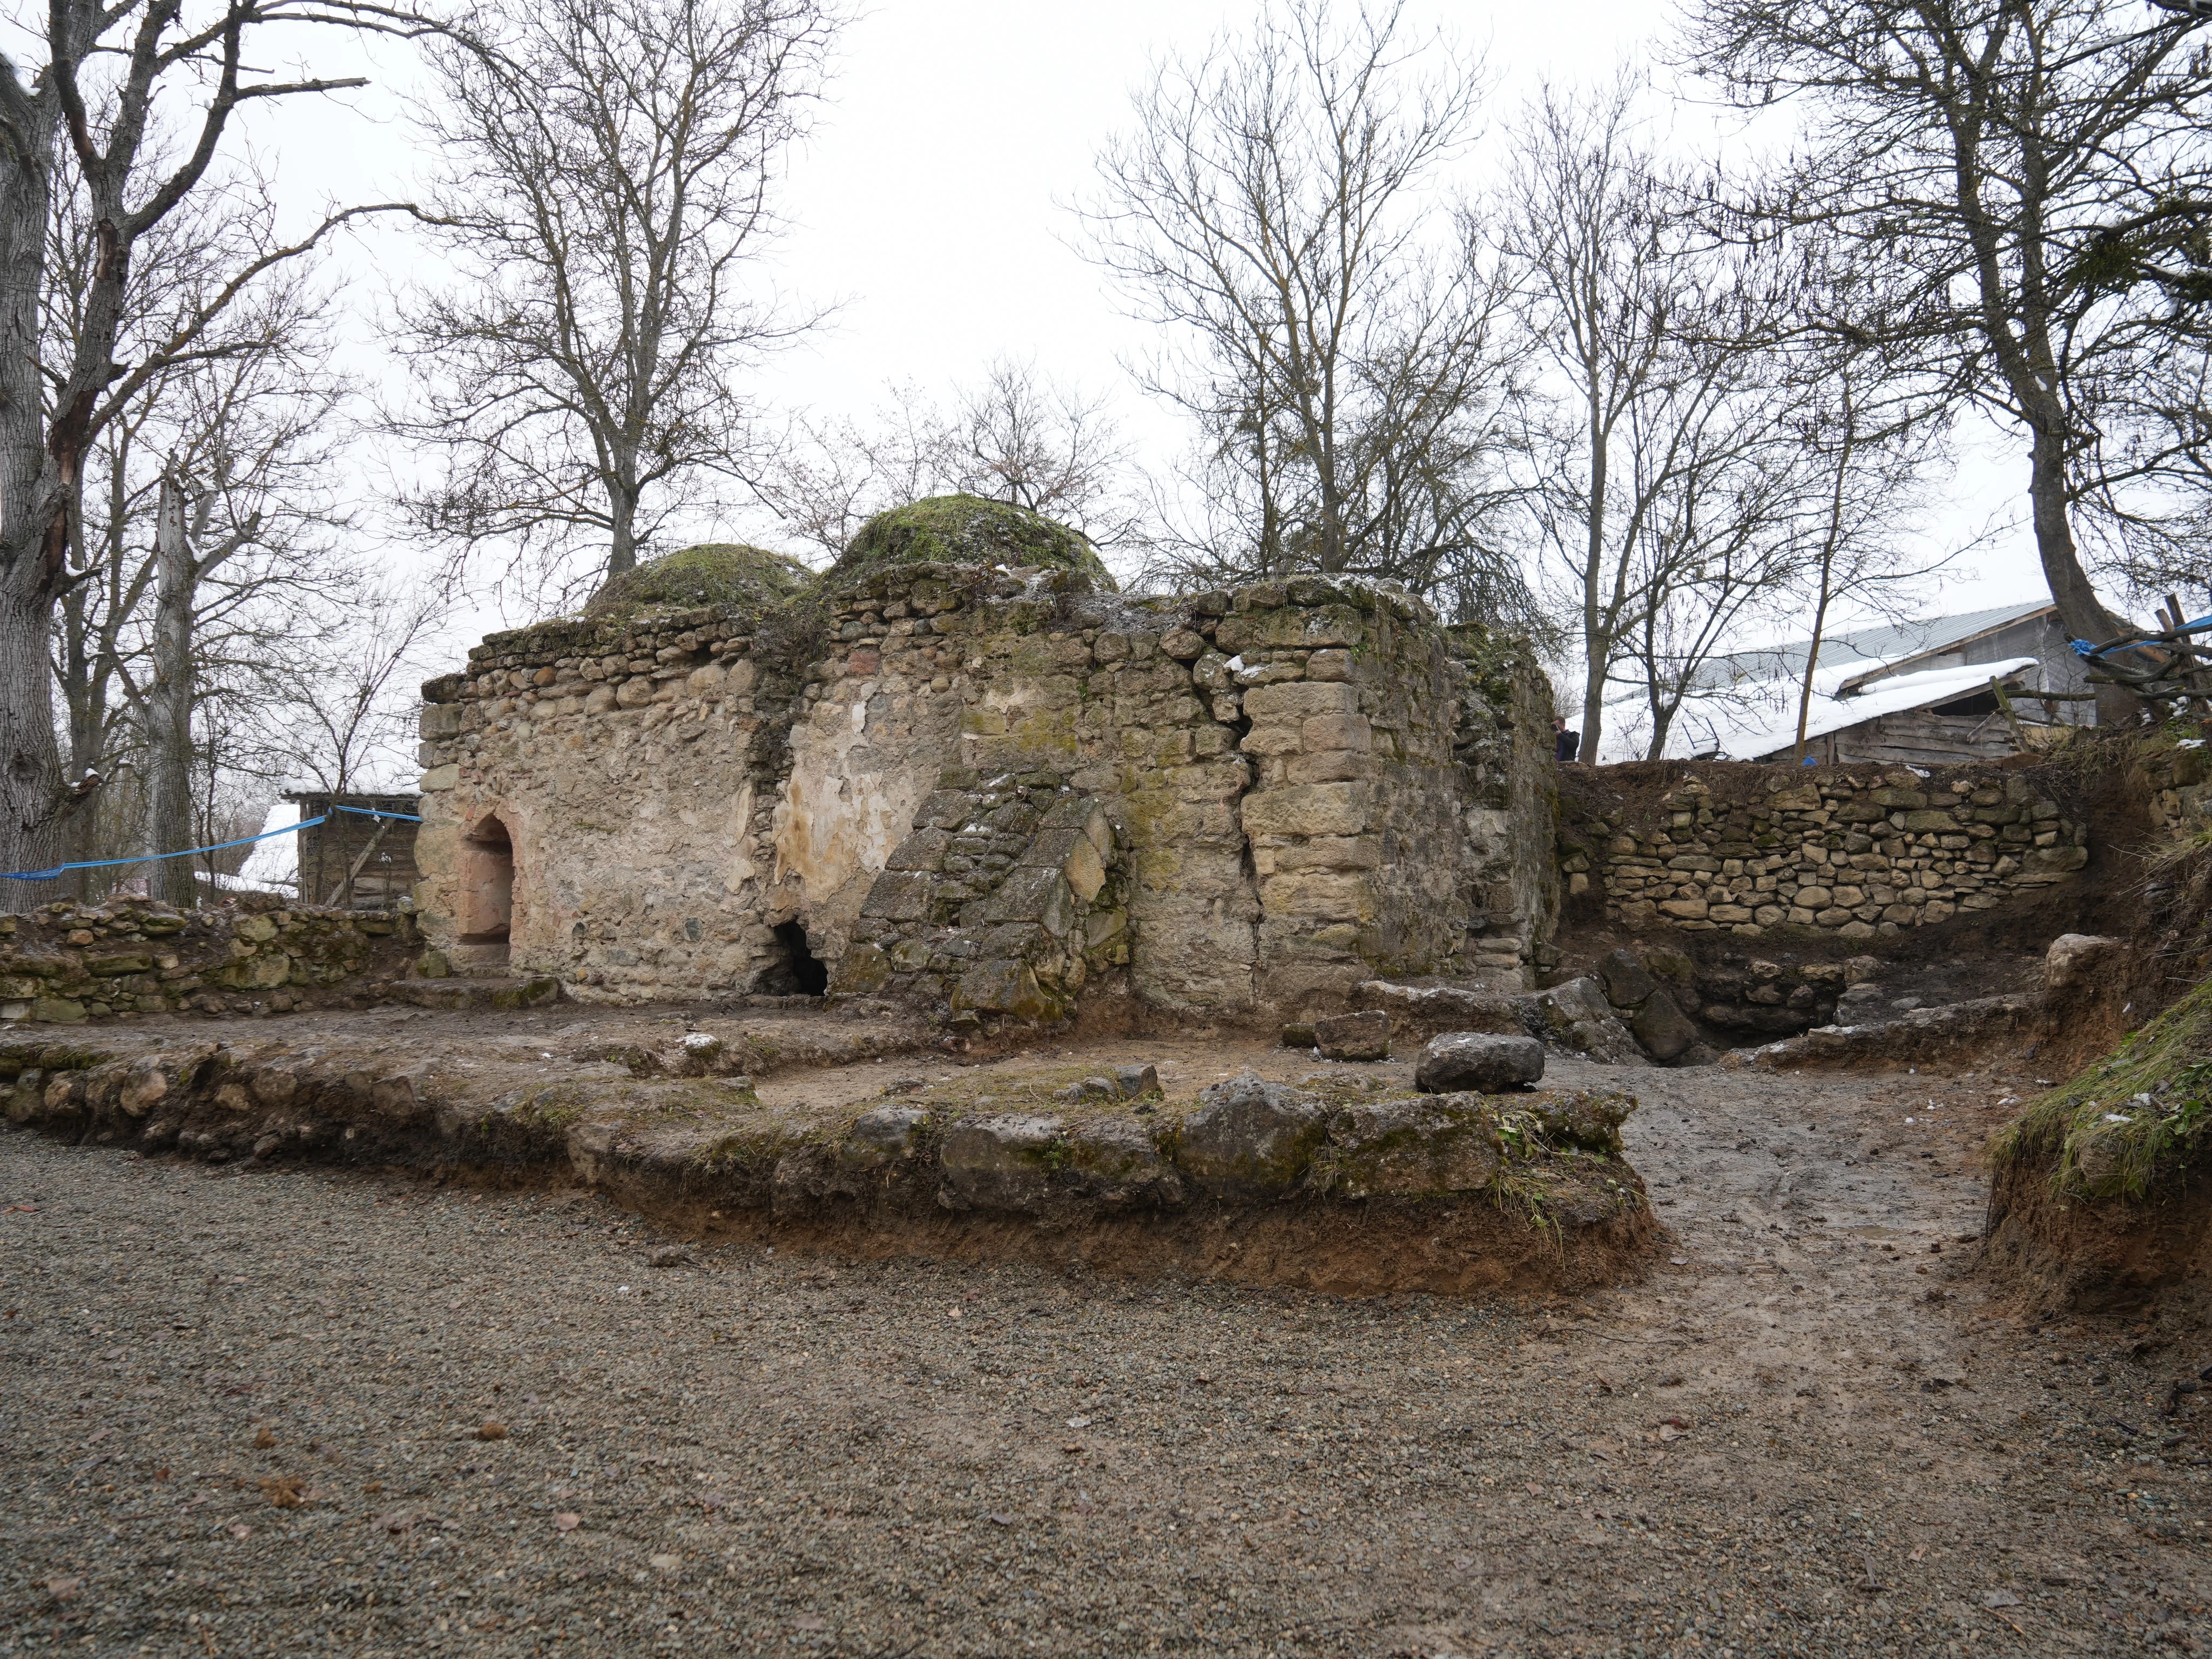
(1857, 851)
(987, 790)
(64, 962)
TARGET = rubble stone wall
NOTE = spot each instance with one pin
(997, 793)
(63, 964)
(1855, 851)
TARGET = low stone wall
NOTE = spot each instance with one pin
(1340, 1187)
(996, 792)
(63, 964)
(1852, 850)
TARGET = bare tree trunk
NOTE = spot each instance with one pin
(2079, 607)
(169, 704)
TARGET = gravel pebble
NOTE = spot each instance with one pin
(1795, 1442)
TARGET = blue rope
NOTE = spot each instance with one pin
(60, 870)
(370, 812)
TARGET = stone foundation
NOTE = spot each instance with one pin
(997, 795)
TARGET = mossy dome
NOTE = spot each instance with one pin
(714, 573)
(970, 530)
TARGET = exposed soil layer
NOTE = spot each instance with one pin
(747, 1128)
(250, 1409)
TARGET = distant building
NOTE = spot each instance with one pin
(352, 857)
(1918, 692)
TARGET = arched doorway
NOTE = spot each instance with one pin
(487, 906)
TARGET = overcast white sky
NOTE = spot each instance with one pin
(930, 200)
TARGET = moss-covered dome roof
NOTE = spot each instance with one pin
(970, 530)
(714, 573)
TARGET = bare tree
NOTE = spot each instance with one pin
(84, 118)
(611, 177)
(1277, 208)
(2023, 162)
(1018, 436)
(1664, 489)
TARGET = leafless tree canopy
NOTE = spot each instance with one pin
(1017, 436)
(85, 119)
(1275, 209)
(2037, 170)
(610, 184)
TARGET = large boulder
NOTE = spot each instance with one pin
(1627, 981)
(1424, 1148)
(1250, 1140)
(1477, 1062)
(1579, 1016)
(882, 1137)
(1663, 1027)
(1000, 1163)
(970, 530)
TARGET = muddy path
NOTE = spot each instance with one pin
(1810, 1428)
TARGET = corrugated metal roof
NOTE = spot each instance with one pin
(1889, 643)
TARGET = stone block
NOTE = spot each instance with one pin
(899, 896)
(882, 1136)
(1116, 1162)
(1627, 981)
(1319, 895)
(438, 779)
(1663, 1027)
(1321, 733)
(1300, 701)
(998, 1164)
(1316, 809)
(1250, 1140)
(1587, 1118)
(1425, 1148)
(1478, 1062)
(1041, 895)
(1338, 766)
(1273, 737)
(1421, 1010)
(1361, 1037)
(1577, 1016)
(925, 849)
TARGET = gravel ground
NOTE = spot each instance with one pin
(297, 1411)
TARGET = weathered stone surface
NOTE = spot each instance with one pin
(1577, 1016)
(1422, 1010)
(883, 1135)
(1340, 786)
(1426, 1148)
(1250, 1140)
(1587, 1118)
(1115, 1161)
(1137, 1081)
(1360, 1036)
(2077, 958)
(1000, 1163)
(1456, 1062)
(1663, 1027)
(1627, 981)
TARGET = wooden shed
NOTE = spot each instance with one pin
(361, 855)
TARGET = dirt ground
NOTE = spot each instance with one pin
(303, 1410)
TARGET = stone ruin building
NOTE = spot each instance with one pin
(962, 772)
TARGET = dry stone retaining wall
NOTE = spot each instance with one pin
(63, 964)
(996, 792)
(1850, 851)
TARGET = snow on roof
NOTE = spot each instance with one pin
(1749, 722)
(1872, 648)
(273, 865)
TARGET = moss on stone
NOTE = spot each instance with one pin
(2135, 1120)
(969, 530)
(725, 574)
